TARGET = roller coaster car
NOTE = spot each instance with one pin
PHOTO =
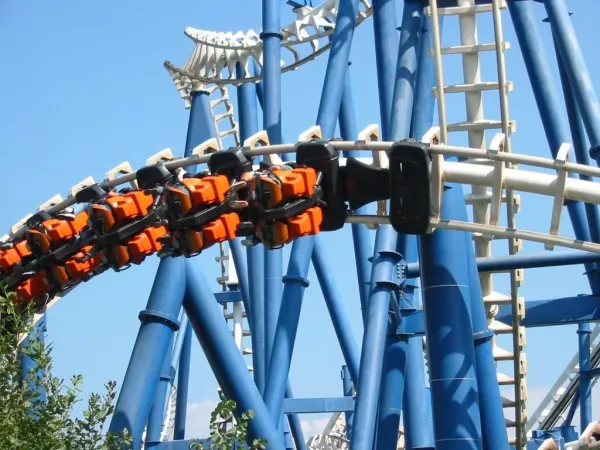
(150, 177)
(231, 162)
(321, 156)
(200, 214)
(193, 194)
(53, 233)
(136, 249)
(128, 227)
(284, 205)
(410, 199)
(33, 288)
(18, 254)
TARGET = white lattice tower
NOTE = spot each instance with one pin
(486, 204)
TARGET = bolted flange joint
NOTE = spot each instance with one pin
(296, 279)
(150, 315)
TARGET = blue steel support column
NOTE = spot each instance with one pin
(418, 425)
(248, 118)
(287, 326)
(336, 308)
(576, 68)
(446, 303)
(157, 412)
(536, 63)
(585, 381)
(347, 387)
(295, 281)
(361, 237)
(183, 380)
(294, 421)
(386, 46)
(493, 424)
(399, 95)
(223, 355)
(158, 322)
(374, 342)
(273, 259)
(28, 364)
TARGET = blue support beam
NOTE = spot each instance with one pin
(374, 339)
(447, 306)
(396, 105)
(28, 364)
(294, 421)
(524, 261)
(271, 96)
(295, 282)
(585, 382)
(318, 405)
(158, 323)
(538, 69)
(557, 311)
(361, 238)
(579, 143)
(157, 412)
(336, 307)
(248, 118)
(577, 71)
(348, 390)
(493, 425)
(183, 381)
(223, 355)
(296, 279)
(417, 418)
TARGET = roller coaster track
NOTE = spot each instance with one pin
(216, 54)
(559, 186)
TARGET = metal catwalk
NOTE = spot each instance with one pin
(425, 198)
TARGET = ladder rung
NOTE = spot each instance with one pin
(458, 10)
(475, 48)
(497, 298)
(246, 351)
(504, 380)
(508, 403)
(500, 327)
(474, 87)
(502, 355)
(481, 126)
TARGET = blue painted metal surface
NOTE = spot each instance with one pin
(361, 237)
(536, 63)
(374, 339)
(577, 71)
(183, 380)
(493, 425)
(337, 311)
(255, 254)
(157, 412)
(287, 325)
(28, 364)
(446, 301)
(294, 421)
(158, 322)
(585, 382)
(348, 390)
(223, 355)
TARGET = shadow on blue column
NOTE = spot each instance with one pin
(446, 303)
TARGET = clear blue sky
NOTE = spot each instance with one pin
(83, 89)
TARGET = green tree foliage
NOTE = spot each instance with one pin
(28, 421)
(223, 438)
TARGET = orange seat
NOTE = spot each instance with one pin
(12, 256)
(33, 288)
(59, 230)
(146, 243)
(221, 229)
(78, 269)
(133, 205)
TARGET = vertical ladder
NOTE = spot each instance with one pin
(223, 116)
(475, 126)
